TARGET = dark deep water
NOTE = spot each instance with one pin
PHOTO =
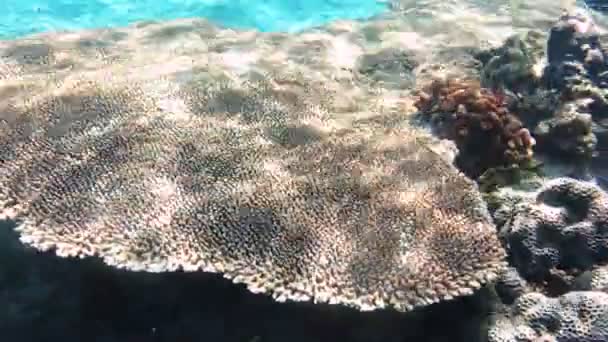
(47, 298)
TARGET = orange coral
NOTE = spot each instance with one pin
(478, 120)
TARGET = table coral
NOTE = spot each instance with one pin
(160, 176)
(477, 119)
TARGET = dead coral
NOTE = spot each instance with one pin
(478, 120)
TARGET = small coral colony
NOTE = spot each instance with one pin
(520, 101)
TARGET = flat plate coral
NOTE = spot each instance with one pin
(255, 181)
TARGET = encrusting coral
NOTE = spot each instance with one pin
(158, 176)
(580, 316)
(478, 120)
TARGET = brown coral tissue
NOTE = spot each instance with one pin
(478, 121)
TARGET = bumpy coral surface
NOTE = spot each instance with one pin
(576, 316)
(595, 279)
(578, 68)
(478, 120)
(510, 285)
(511, 65)
(567, 133)
(565, 228)
(254, 181)
(573, 51)
(564, 103)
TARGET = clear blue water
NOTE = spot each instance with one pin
(23, 17)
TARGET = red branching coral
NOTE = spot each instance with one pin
(478, 120)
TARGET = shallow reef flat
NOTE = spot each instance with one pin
(133, 159)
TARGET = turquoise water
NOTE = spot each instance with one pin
(23, 17)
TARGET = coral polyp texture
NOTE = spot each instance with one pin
(580, 316)
(253, 180)
(563, 229)
(478, 120)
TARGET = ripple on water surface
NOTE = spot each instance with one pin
(23, 17)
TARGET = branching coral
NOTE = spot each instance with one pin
(219, 181)
(478, 120)
(576, 316)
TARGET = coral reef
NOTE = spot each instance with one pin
(511, 66)
(510, 285)
(595, 279)
(563, 104)
(224, 184)
(578, 69)
(575, 316)
(567, 133)
(486, 133)
(48, 298)
(574, 52)
(560, 232)
(257, 182)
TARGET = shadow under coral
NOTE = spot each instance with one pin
(47, 298)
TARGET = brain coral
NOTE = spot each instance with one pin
(255, 181)
(580, 316)
(564, 228)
